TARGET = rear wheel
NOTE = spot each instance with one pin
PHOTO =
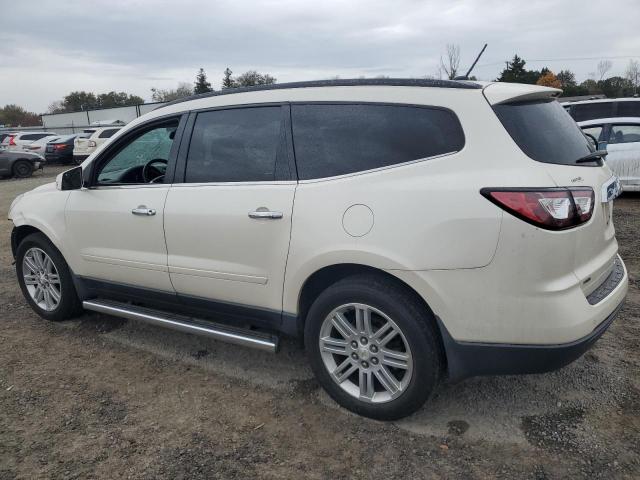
(373, 347)
(22, 169)
(45, 279)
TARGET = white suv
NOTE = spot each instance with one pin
(20, 140)
(407, 230)
(85, 145)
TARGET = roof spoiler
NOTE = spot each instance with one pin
(501, 92)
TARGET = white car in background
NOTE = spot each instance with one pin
(621, 138)
(85, 146)
(18, 140)
(40, 145)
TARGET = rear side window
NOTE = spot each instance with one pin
(337, 139)
(108, 133)
(34, 136)
(544, 131)
(238, 145)
(628, 109)
(624, 134)
(590, 111)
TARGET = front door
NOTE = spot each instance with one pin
(118, 221)
(228, 224)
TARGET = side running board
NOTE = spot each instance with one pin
(237, 336)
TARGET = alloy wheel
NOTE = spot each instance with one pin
(42, 279)
(365, 353)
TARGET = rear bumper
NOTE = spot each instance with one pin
(469, 359)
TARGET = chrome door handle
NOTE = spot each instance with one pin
(264, 213)
(142, 210)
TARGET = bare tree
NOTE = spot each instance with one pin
(603, 67)
(633, 74)
(452, 63)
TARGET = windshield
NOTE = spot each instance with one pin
(544, 131)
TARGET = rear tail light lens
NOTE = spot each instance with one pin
(12, 139)
(59, 146)
(551, 209)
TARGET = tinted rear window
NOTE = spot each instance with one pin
(108, 133)
(544, 131)
(590, 111)
(338, 139)
(629, 109)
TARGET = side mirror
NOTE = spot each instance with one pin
(71, 179)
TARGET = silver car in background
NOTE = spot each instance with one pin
(620, 136)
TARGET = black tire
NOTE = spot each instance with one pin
(414, 320)
(22, 169)
(69, 305)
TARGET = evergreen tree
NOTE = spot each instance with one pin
(201, 84)
(516, 73)
(227, 80)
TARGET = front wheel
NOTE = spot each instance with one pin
(373, 347)
(45, 279)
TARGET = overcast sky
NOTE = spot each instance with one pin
(51, 47)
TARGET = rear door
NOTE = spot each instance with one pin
(623, 145)
(547, 134)
(228, 223)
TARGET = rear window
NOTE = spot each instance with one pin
(544, 131)
(337, 139)
(591, 111)
(108, 133)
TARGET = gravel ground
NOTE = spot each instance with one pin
(99, 397)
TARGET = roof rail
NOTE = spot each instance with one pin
(353, 82)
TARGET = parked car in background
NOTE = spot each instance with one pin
(60, 150)
(39, 146)
(440, 229)
(19, 164)
(621, 138)
(85, 146)
(17, 140)
(604, 108)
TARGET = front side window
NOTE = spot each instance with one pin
(337, 139)
(237, 145)
(142, 159)
(624, 134)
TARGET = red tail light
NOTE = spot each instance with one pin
(548, 208)
(12, 139)
(59, 146)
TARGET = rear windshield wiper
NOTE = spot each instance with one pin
(597, 155)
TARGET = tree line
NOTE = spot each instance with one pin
(515, 71)
(611, 87)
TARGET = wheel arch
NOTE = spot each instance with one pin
(322, 278)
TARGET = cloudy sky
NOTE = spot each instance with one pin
(51, 47)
